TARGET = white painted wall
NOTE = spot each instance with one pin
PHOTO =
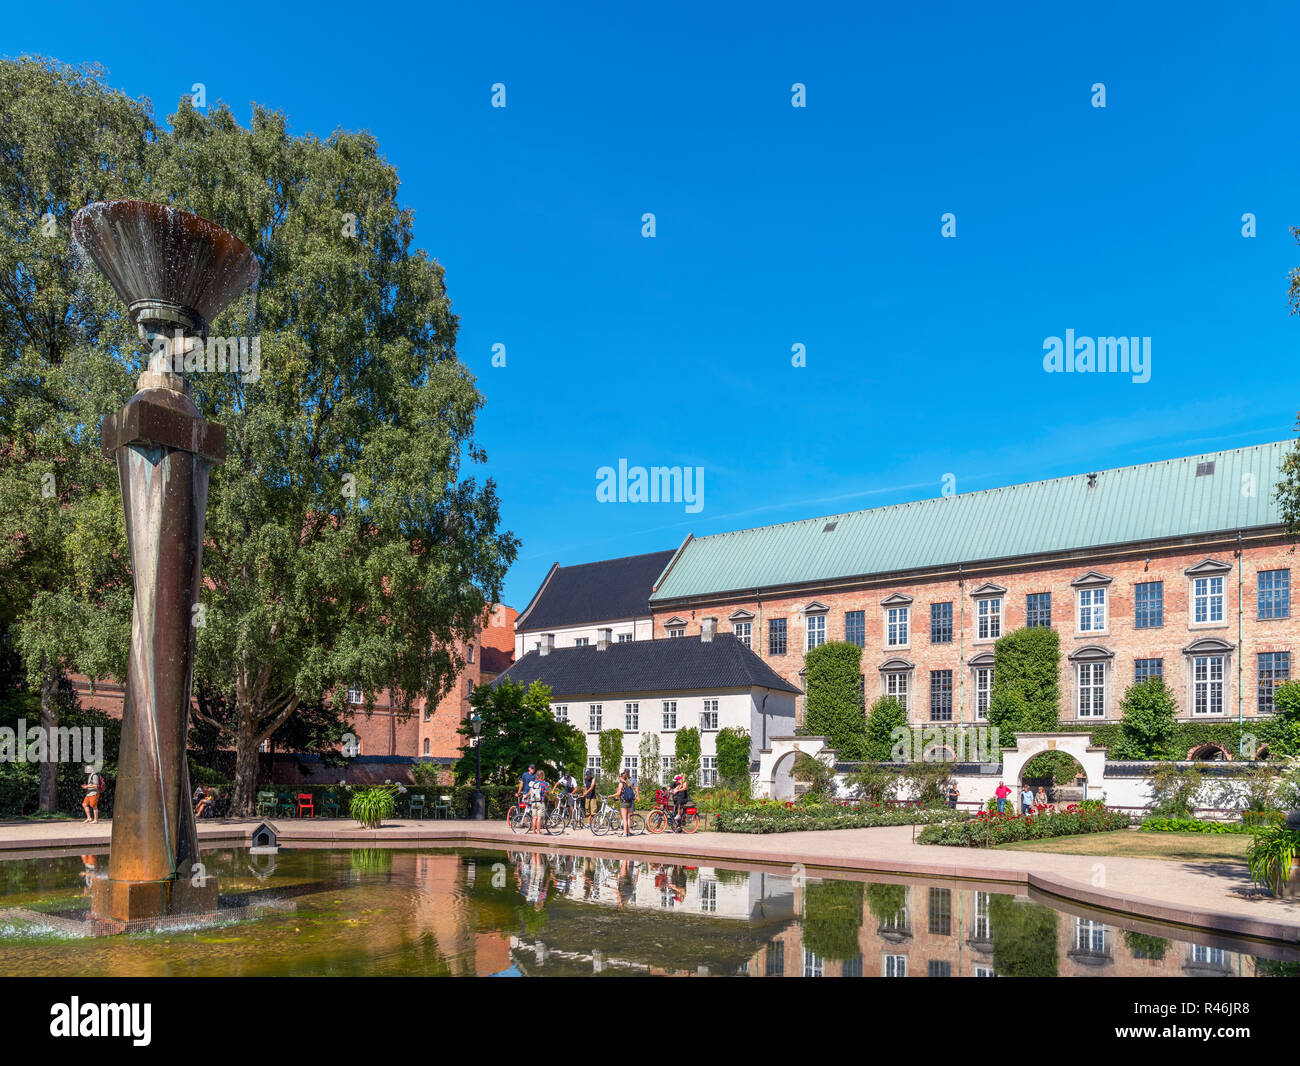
(568, 636)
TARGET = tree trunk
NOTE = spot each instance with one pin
(49, 769)
(246, 767)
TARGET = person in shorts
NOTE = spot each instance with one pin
(93, 789)
(627, 796)
(537, 800)
(588, 795)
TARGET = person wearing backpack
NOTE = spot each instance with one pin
(536, 797)
(93, 789)
(627, 794)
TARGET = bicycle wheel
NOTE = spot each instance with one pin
(555, 820)
(520, 821)
(690, 823)
(600, 824)
(656, 822)
(636, 823)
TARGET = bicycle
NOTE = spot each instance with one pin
(662, 817)
(520, 818)
(610, 820)
(565, 814)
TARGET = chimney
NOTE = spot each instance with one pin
(548, 644)
(602, 642)
(707, 628)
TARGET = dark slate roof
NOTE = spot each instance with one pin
(670, 664)
(594, 592)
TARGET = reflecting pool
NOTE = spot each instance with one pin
(534, 912)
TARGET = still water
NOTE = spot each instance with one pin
(470, 912)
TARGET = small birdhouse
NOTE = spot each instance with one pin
(265, 841)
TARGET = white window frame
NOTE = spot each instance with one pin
(625, 638)
(356, 694)
(1204, 687)
(677, 631)
(898, 684)
(593, 764)
(710, 708)
(1092, 610)
(632, 717)
(898, 627)
(670, 716)
(983, 692)
(1208, 591)
(744, 633)
(813, 964)
(629, 764)
(595, 717)
(561, 711)
(988, 614)
(708, 890)
(469, 653)
(894, 966)
(708, 771)
(815, 631)
(1084, 709)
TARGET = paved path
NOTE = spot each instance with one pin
(1207, 895)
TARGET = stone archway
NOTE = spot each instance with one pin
(1210, 752)
(1078, 746)
(776, 764)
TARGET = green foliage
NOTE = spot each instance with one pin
(988, 830)
(610, 743)
(733, 747)
(1060, 766)
(817, 774)
(1024, 938)
(1149, 727)
(833, 677)
(518, 728)
(1191, 825)
(1176, 790)
(833, 918)
(774, 817)
(1026, 682)
(886, 902)
(926, 783)
(651, 768)
(370, 806)
(1282, 731)
(873, 783)
(1145, 945)
(887, 715)
(688, 754)
(1272, 855)
(426, 774)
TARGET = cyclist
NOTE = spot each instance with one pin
(565, 786)
(680, 800)
(588, 795)
(536, 798)
(521, 793)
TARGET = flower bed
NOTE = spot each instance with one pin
(769, 816)
(987, 830)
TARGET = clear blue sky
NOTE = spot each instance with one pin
(818, 226)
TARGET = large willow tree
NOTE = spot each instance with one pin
(348, 540)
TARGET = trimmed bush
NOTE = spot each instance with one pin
(834, 710)
(833, 918)
(1191, 825)
(767, 816)
(987, 830)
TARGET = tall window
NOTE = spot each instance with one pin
(774, 966)
(983, 691)
(776, 636)
(895, 965)
(708, 771)
(896, 686)
(855, 628)
(941, 911)
(982, 925)
(469, 653)
(1274, 666)
(670, 715)
(812, 964)
(1207, 599)
(561, 712)
(1207, 684)
(1038, 610)
(941, 623)
(669, 764)
(896, 627)
(426, 745)
(1275, 594)
(629, 764)
(593, 718)
(1092, 690)
(941, 695)
(742, 631)
(851, 967)
(709, 716)
(1144, 668)
(631, 717)
(1149, 605)
(989, 615)
(816, 631)
(1090, 937)
(1092, 610)
(593, 764)
(708, 895)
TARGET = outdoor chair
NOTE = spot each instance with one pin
(329, 806)
(265, 804)
(286, 804)
(442, 809)
(415, 806)
(306, 805)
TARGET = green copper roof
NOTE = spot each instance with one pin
(1131, 504)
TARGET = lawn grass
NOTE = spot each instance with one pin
(1127, 843)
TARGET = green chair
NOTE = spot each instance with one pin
(286, 804)
(265, 804)
(415, 806)
(329, 806)
(442, 809)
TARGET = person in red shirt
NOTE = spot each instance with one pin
(1002, 792)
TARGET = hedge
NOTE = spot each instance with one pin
(499, 797)
(987, 830)
(1192, 825)
(769, 817)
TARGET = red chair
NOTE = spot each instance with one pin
(306, 803)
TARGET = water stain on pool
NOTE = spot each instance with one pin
(466, 912)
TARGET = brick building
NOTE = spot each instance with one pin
(1178, 568)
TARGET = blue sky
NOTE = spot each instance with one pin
(818, 226)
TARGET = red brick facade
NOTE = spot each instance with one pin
(1116, 647)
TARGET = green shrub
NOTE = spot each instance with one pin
(370, 806)
(818, 775)
(1176, 791)
(887, 716)
(1026, 682)
(767, 816)
(1272, 853)
(1024, 938)
(833, 679)
(989, 830)
(1145, 946)
(1149, 725)
(1191, 825)
(733, 749)
(886, 902)
(833, 918)
(874, 784)
(688, 754)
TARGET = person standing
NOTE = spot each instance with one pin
(588, 795)
(1026, 799)
(93, 789)
(536, 797)
(1002, 792)
(953, 795)
(1041, 797)
(627, 794)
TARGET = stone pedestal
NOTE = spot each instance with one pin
(126, 906)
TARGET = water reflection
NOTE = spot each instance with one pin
(536, 913)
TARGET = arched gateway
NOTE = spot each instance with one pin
(1079, 746)
(776, 764)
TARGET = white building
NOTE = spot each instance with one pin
(657, 687)
(575, 603)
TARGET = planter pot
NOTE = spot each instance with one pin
(1291, 887)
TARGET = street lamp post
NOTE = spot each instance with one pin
(478, 804)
